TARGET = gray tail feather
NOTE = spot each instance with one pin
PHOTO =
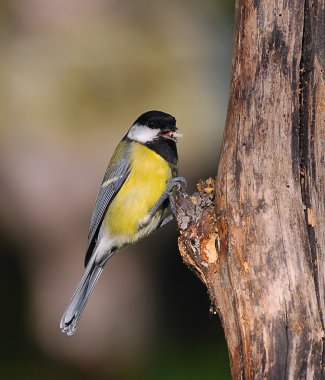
(73, 312)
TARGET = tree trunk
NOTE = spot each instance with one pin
(258, 239)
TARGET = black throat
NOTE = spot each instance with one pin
(166, 149)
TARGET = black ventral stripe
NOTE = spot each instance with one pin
(166, 149)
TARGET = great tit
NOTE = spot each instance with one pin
(133, 200)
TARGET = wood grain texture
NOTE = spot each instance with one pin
(268, 225)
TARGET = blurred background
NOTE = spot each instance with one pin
(74, 76)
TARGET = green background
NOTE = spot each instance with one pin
(74, 75)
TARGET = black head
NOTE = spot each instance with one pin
(157, 120)
(157, 130)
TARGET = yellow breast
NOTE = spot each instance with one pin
(147, 181)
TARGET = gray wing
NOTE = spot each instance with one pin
(116, 174)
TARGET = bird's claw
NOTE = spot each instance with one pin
(179, 183)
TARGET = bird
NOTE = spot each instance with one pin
(134, 200)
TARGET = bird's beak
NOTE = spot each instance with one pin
(171, 135)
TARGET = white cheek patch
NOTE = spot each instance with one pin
(142, 134)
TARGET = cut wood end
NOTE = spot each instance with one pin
(199, 242)
(209, 251)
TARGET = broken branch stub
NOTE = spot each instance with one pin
(199, 241)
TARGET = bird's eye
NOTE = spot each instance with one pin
(151, 124)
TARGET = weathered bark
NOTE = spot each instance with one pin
(261, 250)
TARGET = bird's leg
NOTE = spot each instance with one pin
(174, 182)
